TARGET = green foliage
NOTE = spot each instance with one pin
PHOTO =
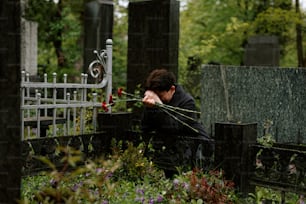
(64, 22)
(217, 31)
(277, 22)
(125, 176)
(267, 139)
(120, 45)
(264, 194)
(135, 166)
(211, 187)
(59, 31)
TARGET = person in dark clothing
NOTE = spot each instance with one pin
(170, 113)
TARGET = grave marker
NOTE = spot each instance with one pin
(262, 51)
(153, 35)
(10, 141)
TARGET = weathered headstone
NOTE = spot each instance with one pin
(29, 46)
(29, 40)
(153, 35)
(98, 27)
(10, 141)
(262, 51)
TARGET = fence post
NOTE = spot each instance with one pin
(109, 51)
(232, 152)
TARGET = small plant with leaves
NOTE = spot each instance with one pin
(211, 187)
(267, 139)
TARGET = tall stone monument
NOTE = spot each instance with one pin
(10, 141)
(153, 36)
(29, 46)
(98, 27)
(29, 41)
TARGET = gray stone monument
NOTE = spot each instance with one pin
(10, 140)
(262, 51)
(256, 95)
(29, 40)
(153, 35)
(29, 46)
(98, 27)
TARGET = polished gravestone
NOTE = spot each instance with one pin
(10, 140)
(153, 35)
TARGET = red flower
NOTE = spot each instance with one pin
(104, 106)
(111, 101)
(120, 90)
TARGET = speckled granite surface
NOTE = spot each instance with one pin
(256, 94)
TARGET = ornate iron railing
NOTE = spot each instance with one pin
(52, 103)
(281, 167)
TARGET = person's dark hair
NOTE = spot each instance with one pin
(160, 80)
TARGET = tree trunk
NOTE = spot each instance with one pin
(57, 42)
(299, 37)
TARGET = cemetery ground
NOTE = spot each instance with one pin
(126, 175)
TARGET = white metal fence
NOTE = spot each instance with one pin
(50, 104)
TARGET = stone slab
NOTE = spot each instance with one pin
(256, 94)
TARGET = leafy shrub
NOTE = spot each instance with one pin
(125, 176)
(210, 187)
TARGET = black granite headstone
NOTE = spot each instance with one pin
(232, 149)
(153, 35)
(262, 51)
(98, 27)
(10, 140)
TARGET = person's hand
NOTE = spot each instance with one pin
(150, 98)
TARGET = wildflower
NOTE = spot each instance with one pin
(53, 183)
(99, 170)
(140, 199)
(109, 175)
(159, 199)
(140, 191)
(75, 187)
(176, 183)
(301, 200)
(185, 186)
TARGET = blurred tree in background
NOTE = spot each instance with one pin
(59, 34)
(60, 37)
(120, 38)
(217, 31)
(211, 31)
(220, 29)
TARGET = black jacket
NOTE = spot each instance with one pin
(170, 130)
